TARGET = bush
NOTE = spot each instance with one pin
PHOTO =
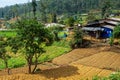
(70, 21)
(113, 76)
(116, 32)
(16, 62)
(111, 41)
(78, 41)
(55, 30)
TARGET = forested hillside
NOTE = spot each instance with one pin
(57, 7)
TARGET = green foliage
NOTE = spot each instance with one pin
(62, 43)
(53, 18)
(55, 30)
(111, 41)
(92, 16)
(16, 62)
(31, 35)
(8, 33)
(106, 9)
(62, 34)
(3, 51)
(70, 21)
(113, 76)
(116, 32)
(34, 5)
(58, 6)
(99, 78)
(55, 50)
(77, 40)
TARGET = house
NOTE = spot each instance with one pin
(101, 28)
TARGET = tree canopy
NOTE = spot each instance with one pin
(30, 36)
(59, 7)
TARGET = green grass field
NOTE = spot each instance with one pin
(56, 49)
(8, 33)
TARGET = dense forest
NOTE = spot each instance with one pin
(57, 7)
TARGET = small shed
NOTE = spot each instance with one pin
(98, 32)
(101, 28)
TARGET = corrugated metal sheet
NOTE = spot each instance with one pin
(116, 19)
(108, 26)
(98, 22)
(112, 22)
(93, 28)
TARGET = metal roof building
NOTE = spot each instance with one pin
(101, 28)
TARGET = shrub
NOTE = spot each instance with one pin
(111, 41)
(116, 32)
(55, 30)
(113, 76)
(70, 21)
(78, 41)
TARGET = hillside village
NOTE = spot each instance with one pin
(52, 40)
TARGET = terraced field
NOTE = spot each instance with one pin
(70, 72)
(79, 64)
(75, 55)
(103, 60)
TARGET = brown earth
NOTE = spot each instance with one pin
(75, 55)
(76, 65)
(70, 72)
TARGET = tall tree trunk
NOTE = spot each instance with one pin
(34, 5)
(36, 63)
(6, 65)
(29, 61)
(29, 68)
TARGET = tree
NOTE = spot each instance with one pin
(61, 6)
(34, 5)
(54, 18)
(2, 14)
(116, 34)
(70, 21)
(77, 40)
(55, 30)
(14, 11)
(3, 52)
(106, 9)
(31, 36)
(43, 9)
(91, 17)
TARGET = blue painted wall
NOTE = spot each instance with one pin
(107, 33)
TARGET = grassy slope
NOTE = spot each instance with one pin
(57, 49)
(8, 33)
